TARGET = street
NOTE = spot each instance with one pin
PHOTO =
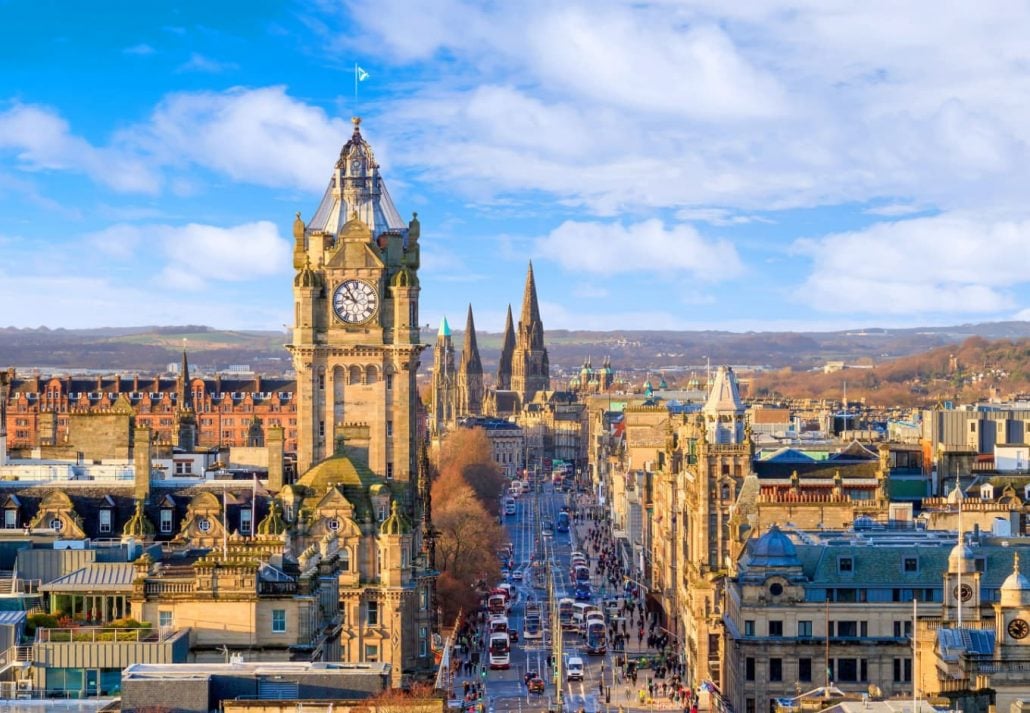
(603, 687)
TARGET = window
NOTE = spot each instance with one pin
(845, 564)
(749, 627)
(164, 619)
(863, 628)
(389, 428)
(775, 669)
(10, 518)
(749, 705)
(105, 521)
(389, 471)
(902, 670)
(911, 564)
(321, 429)
(371, 653)
(278, 621)
(166, 521)
(57, 524)
(749, 669)
(333, 524)
(203, 524)
(423, 643)
(245, 520)
(183, 467)
(344, 560)
(775, 628)
(805, 628)
(389, 381)
(845, 629)
(804, 669)
(372, 614)
(847, 670)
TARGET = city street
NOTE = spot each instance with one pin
(538, 549)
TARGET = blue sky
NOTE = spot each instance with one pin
(666, 165)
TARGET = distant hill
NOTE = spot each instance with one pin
(150, 349)
(970, 371)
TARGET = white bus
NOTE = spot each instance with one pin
(500, 651)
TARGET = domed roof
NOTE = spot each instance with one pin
(1016, 583)
(306, 277)
(774, 549)
(273, 523)
(396, 524)
(961, 559)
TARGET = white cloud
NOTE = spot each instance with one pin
(42, 141)
(612, 248)
(195, 254)
(257, 136)
(199, 63)
(141, 50)
(948, 263)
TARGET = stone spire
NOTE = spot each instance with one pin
(530, 367)
(470, 353)
(724, 410)
(530, 317)
(443, 380)
(185, 418)
(507, 349)
(183, 393)
(470, 374)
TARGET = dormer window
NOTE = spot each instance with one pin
(166, 521)
(10, 518)
(245, 520)
(382, 512)
(987, 491)
(104, 525)
(845, 565)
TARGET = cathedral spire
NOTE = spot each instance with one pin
(507, 349)
(470, 361)
(470, 374)
(183, 395)
(530, 308)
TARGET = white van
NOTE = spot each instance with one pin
(574, 669)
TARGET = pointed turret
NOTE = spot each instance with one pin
(724, 410)
(443, 379)
(470, 353)
(530, 307)
(183, 395)
(530, 368)
(507, 349)
(470, 374)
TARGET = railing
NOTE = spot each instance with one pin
(934, 623)
(94, 635)
(276, 587)
(168, 586)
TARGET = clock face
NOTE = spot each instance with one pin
(965, 593)
(1018, 629)
(355, 301)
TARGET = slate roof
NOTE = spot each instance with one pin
(116, 577)
(952, 643)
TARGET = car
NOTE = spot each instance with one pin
(513, 635)
(535, 685)
(517, 575)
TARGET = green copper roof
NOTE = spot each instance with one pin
(396, 524)
(445, 329)
(273, 523)
(138, 525)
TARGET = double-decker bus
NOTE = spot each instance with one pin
(497, 603)
(533, 628)
(597, 643)
(566, 607)
(563, 521)
(500, 650)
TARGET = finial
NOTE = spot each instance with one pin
(356, 120)
(1015, 564)
(414, 214)
(297, 216)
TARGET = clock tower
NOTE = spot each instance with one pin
(355, 341)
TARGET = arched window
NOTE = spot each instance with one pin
(344, 559)
(355, 375)
(371, 375)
